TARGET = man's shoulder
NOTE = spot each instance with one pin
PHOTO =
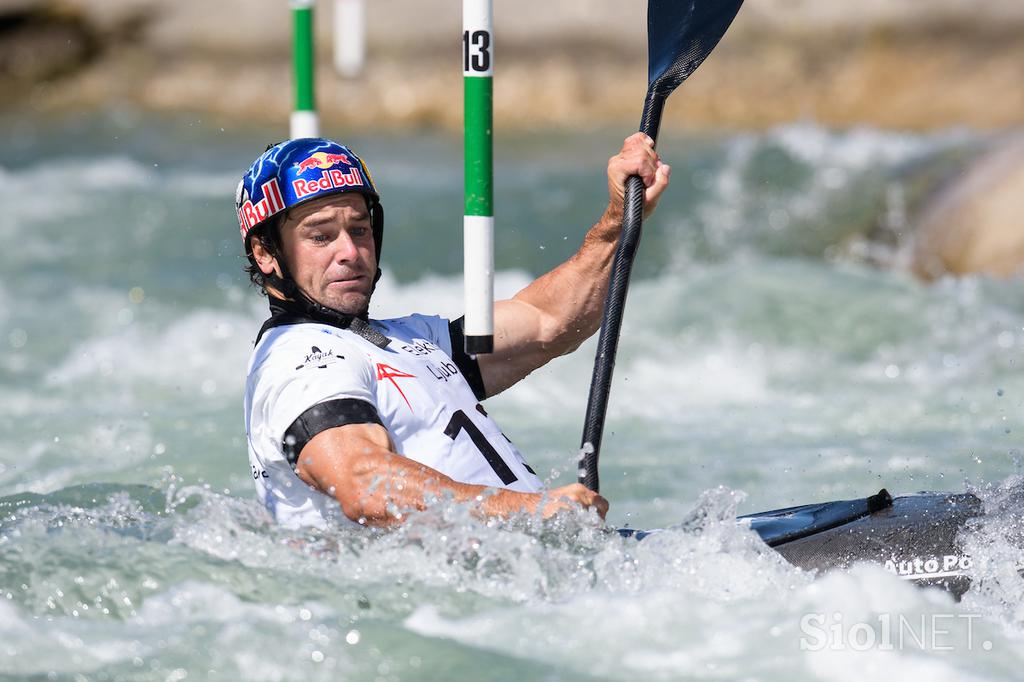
(416, 325)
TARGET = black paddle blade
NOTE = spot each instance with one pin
(681, 34)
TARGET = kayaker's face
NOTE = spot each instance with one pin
(329, 249)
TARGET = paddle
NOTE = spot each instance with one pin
(680, 35)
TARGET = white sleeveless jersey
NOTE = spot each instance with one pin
(420, 395)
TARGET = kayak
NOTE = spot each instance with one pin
(915, 537)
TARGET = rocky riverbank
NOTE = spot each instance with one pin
(575, 64)
(884, 64)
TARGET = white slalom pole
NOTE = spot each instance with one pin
(349, 37)
(478, 126)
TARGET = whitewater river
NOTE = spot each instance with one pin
(765, 362)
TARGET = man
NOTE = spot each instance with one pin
(356, 420)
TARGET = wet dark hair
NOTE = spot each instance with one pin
(269, 236)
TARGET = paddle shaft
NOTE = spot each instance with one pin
(615, 304)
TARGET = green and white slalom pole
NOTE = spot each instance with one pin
(478, 224)
(304, 121)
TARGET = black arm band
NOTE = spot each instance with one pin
(469, 367)
(323, 416)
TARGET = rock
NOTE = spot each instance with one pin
(882, 63)
(976, 223)
(15, 8)
(37, 44)
(111, 19)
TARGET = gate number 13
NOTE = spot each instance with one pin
(476, 51)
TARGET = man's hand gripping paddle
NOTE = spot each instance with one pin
(680, 35)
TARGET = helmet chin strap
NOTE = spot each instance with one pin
(293, 293)
(357, 324)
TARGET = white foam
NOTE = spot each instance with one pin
(441, 177)
(704, 377)
(203, 185)
(60, 645)
(209, 624)
(658, 632)
(857, 149)
(204, 345)
(98, 173)
(996, 545)
(84, 453)
(913, 633)
(193, 600)
(436, 294)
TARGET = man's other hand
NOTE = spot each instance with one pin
(637, 157)
(569, 496)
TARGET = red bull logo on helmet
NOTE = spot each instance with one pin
(322, 160)
(334, 178)
(292, 172)
(251, 214)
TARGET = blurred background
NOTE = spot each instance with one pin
(909, 64)
(915, 65)
(828, 300)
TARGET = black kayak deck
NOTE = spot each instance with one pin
(780, 526)
(915, 537)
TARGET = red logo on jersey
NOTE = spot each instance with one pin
(390, 373)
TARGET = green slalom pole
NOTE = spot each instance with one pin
(304, 121)
(478, 223)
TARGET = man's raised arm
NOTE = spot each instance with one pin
(559, 310)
